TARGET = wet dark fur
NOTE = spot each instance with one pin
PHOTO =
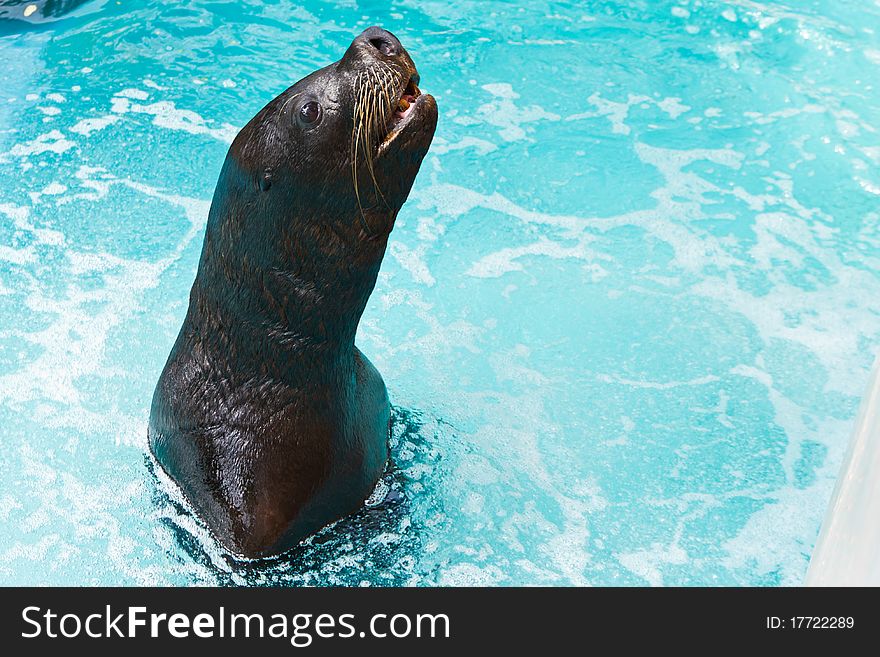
(266, 415)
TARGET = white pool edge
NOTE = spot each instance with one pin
(847, 552)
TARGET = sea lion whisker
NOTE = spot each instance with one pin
(374, 117)
(362, 218)
(354, 159)
(372, 114)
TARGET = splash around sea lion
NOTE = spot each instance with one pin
(266, 414)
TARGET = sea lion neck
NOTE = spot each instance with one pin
(291, 309)
(294, 271)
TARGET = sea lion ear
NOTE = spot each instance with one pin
(265, 180)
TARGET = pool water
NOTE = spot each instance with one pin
(625, 318)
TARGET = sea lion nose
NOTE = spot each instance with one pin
(382, 41)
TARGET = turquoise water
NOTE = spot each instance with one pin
(625, 318)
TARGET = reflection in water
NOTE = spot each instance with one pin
(36, 11)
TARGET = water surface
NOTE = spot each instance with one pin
(625, 318)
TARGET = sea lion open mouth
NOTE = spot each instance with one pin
(406, 108)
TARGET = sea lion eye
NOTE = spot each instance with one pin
(310, 113)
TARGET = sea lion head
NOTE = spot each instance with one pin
(332, 159)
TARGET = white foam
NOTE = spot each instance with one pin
(50, 142)
(647, 563)
(441, 146)
(504, 261)
(86, 127)
(54, 188)
(413, 261)
(615, 112)
(20, 218)
(658, 385)
(673, 107)
(22, 256)
(167, 115)
(135, 94)
(510, 119)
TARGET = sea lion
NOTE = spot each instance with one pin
(266, 415)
